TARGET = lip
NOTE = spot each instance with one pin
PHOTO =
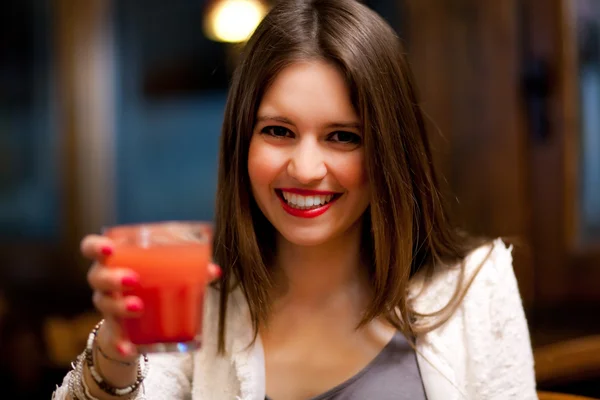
(307, 192)
(312, 213)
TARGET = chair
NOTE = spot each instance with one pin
(560, 396)
(568, 361)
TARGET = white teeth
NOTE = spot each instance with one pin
(305, 202)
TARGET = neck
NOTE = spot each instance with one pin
(314, 276)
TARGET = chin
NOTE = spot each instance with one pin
(308, 238)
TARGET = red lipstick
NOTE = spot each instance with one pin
(307, 192)
(310, 213)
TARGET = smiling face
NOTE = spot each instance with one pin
(306, 159)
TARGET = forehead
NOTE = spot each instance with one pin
(310, 90)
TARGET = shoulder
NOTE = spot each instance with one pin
(492, 264)
(486, 333)
(237, 318)
(487, 270)
(237, 373)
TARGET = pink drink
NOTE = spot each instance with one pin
(171, 260)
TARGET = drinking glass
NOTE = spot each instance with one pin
(171, 259)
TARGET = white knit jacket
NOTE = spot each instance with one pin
(483, 352)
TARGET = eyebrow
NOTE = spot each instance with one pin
(284, 120)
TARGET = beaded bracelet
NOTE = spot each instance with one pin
(142, 371)
(77, 385)
(78, 388)
(86, 390)
(73, 379)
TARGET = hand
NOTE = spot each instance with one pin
(108, 285)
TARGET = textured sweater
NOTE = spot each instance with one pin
(482, 352)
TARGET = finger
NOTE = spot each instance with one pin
(126, 348)
(214, 272)
(113, 338)
(118, 307)
(96, 246)
(112, 279)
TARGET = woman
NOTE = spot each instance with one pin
(342, 277)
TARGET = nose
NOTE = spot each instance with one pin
(307, 162)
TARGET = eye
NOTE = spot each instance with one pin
(345, 137)
(277, 131)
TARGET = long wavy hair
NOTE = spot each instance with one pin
(406, 227)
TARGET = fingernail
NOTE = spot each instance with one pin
(134, 305)
(124, 349)
(218, 272)
(106, 250)
(130, 280)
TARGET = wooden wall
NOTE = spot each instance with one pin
(466, 58)
(514, 172)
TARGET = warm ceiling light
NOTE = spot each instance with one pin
(233, 21)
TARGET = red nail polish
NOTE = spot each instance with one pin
(106, 250)
(134, 306)
(122, 349)
(130, 280)
(218, 272)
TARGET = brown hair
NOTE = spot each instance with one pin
(406, 225)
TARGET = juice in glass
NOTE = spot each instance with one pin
(171, 259)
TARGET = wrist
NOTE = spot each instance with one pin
(113, 372)
(104, 349)
(94, 378)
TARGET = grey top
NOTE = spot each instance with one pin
(392, 375)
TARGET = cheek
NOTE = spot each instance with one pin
(352, 173)
(261, 166)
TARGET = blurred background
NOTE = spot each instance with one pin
(110, 112)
